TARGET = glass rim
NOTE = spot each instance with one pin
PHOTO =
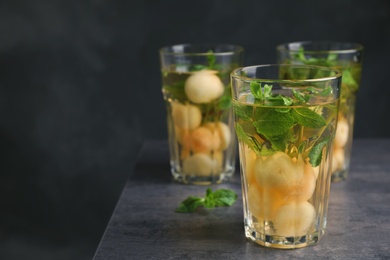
(234, 74)
(235, 49)
(356, 47)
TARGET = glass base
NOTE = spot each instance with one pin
(203, 180)
(281, 242)
(339, 176)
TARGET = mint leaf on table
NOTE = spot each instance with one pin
(218, 198)
(190, 204)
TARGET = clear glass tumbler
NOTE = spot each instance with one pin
(196, 90)
(344, 56)
(285, 122)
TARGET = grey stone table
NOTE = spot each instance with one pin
(145, 226)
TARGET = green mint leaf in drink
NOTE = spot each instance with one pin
(332, 57)
(250, 141)
(190, 204)
(279, 142)
(315, 154)
(300, 96)
(256, 90)
(211, 59)
(307, 117)
(326, 91)
(225, 102)
(267, 91)
(198, 67)
(273, 123)
(349, 80)
(243, 112)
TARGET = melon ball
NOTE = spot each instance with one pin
(183, 137)
(342, 132)
(200, 164)
(338, 158)
(203, 87)
(285, 176)
(223, 131)
(262, 202)
(218, 157)
(247, 158)
(204, 141)
(186, 116)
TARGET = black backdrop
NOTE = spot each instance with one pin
(80, 91)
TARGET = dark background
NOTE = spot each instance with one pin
(80, 91)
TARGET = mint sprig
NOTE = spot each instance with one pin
(218, 198)
(275, 125)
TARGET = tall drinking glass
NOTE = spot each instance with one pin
(285, 122)
(196, 90)
(344, 56)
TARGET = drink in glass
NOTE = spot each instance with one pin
(343, 56)
(285, 122)
(196, 90)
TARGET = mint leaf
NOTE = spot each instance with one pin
(219, 198)
(300, 96)
(307, 117)
(209, 201)
(224, 197)
(315, 154)
(190, 204)
(330, 60)
(348, 79)
(267, 90)
(326, 91)
(276, 127)
(211, 59)
(280, 142)
(287, 101)
(273, 123)
(224, 102)
(242, 112)
(332, 57)
(243, 137)
(197, 67)
(256, 90)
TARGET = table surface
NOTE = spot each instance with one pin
(145, 225)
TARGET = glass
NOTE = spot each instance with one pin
(348, 58)
(196, 91)
(285, 121)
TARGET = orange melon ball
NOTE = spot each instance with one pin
(204, 141)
